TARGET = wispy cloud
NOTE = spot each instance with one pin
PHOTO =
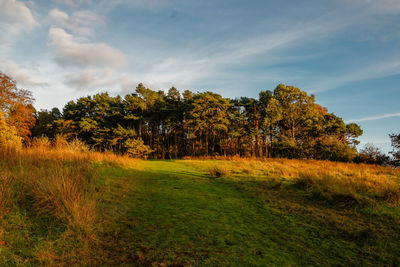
(208, 62)
(371, 71)
(377, 117)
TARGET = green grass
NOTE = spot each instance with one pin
(170, 213)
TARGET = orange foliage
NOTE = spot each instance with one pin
(16, 104)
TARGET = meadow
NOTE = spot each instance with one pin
(65, 205)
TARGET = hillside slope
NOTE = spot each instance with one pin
(191, 212)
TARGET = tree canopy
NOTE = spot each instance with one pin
(285, 122)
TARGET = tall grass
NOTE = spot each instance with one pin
(338, 183)
(58, 179)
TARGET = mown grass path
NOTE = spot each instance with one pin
(168, 213)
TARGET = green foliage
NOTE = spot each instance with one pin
(352, 132)
(396, 147)
(45, 123)
(285, 122)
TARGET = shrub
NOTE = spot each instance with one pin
(41, 143)
(9, 138)
(60, 142)
(78, 145)
(219, 171)
(136, 148)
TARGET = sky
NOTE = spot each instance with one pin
(346, 52)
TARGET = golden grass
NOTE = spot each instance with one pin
(218, 171)
(334, 181)
(59, 180)
(5, 193)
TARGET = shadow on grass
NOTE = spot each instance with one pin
(231, 222)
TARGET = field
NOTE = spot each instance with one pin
(61, 207)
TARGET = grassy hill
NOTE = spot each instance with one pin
(67, 208)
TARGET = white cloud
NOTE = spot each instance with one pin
(20, 74)
(81, 23)
(69, 52)
(17, 14)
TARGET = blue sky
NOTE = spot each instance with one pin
(345, 52)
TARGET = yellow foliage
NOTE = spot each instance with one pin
(9, 138)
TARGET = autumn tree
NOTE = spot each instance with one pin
(17, 106)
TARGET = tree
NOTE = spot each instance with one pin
(298, 110)
(298, 115)
(395, 139)
(45, 123)
(284, 123)
(372, 154)
(17, 106)
(208, 119)
(353, 131)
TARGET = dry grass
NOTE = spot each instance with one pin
(219, 171)
(59, 181)
(339, 183)
(5, 193)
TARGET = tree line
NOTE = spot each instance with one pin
(284, 122)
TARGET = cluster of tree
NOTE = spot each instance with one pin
(285, 122)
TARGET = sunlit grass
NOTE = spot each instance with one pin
(359, 183)
(63, 205)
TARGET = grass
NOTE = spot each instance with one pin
(69, 208)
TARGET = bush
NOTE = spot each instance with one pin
(78, 145)
(42, 143)
(9, 138)
(219, 171)
(60, 142)
(136, 148)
